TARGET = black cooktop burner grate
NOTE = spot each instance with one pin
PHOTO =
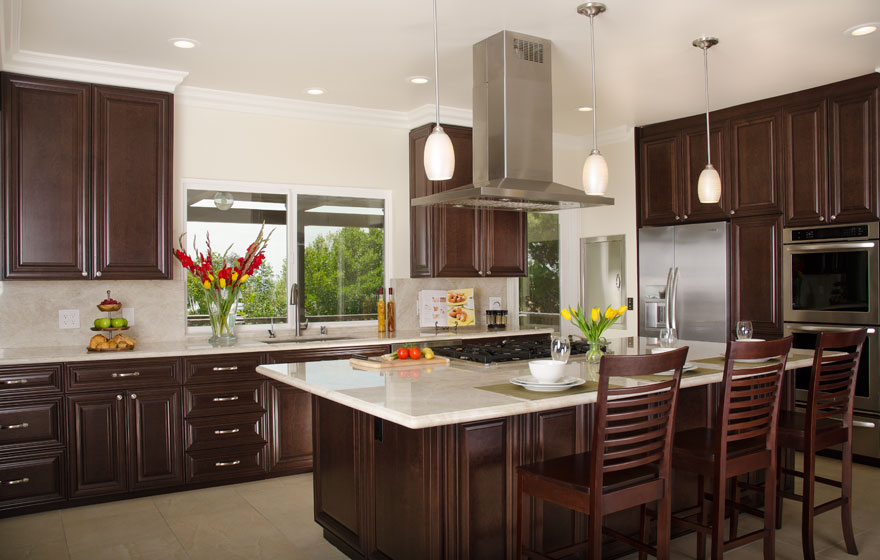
(505, 351)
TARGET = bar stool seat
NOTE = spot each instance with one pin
(573, 472)
(695, 450)
(792, 431)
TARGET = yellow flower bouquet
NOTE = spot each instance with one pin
(593, 327)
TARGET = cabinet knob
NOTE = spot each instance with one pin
(833, 217)
(685, 217)
(85, 274)
(134, 396)
(732, 212)
(98, 274)
(821, 218)
(118, 397)
(488, 272)
(677, 218)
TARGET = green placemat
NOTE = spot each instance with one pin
(512, 390)
(697, 372)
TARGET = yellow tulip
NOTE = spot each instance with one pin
(222, 283)
(211, 277)
(207, 284)
(565, 314)
(574, 311)
(595, 314)
(621, 310)
(234, 276)
(244, 277)
(610, 313)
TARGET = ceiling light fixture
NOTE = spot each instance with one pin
(316, 91)
(709, 184)
(585, 109)
(439, 154)
(182, 43)
(861, 29)
(419, 80)
(223, 201)
(595, 175)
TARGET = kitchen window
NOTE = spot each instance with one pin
(328, 240)
(539, 291)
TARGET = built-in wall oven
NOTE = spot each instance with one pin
(831, 282)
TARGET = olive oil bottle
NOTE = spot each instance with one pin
(389, 309)
(380, 309)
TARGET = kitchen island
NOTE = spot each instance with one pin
(420, 462)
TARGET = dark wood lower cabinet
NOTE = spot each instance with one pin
(155, 448)
(755, 277)
(290, 421)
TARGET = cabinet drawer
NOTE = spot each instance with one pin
(224, 398)
(15, 381)
(225, 367)
(121, 375)
(225, 431)
(31, 479)
(30, 424)
(219, 464)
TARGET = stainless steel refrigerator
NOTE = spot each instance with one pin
(697, 304)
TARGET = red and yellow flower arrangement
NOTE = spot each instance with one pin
(223, 280)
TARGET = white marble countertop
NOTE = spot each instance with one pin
(198, 344)
(436, 396)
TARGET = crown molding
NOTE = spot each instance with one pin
(204, 98)
(93, 71)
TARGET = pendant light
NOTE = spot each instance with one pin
(709, 184)
(439, 155)
(595, 176)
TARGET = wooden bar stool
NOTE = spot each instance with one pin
(629, 462)
(827, 422)
(743, 440)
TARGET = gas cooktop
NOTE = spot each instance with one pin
(506, 350)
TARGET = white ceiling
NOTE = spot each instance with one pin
(362, 52)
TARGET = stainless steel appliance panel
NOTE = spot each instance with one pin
(868, 379)
(603, 273)
(656, 258)
(702, 303)
(866, 433)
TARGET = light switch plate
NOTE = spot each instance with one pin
(494, 302)
(68, 318)
(128, 315)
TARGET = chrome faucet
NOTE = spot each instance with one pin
(294, 301)
(271, 327)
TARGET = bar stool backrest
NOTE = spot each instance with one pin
(633, 426)
(750, 394)
(833, 384)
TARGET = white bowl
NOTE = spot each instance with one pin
(547, 370)
(750, 340)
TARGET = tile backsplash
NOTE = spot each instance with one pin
(406, 296)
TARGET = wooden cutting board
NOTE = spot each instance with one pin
(386, 363)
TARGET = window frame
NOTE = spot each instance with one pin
(291, 191)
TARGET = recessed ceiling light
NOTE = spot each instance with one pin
(182, 43)
(316, 91)
(584, 109)
(861, 29)
(418, 80)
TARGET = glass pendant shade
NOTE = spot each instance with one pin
(439, 156)
(223, 201)
(595, 174)
(709, 185)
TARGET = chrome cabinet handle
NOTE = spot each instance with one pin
(16, 381)
(227, 463)
(863, 424)
(617, 282)
(229, 368)
(15, 426)
(732, 212)
(130, 374)
(85, 274)
(677, 218)
(833, 217)
(118, 397)
(685, 217)
(222, 432)
(134, 396)
(24, 480)
(223, 399)
(821, 218)
(98, 274)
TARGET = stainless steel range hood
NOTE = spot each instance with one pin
(513, 132)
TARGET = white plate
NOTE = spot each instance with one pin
(532, 380)
(575, 381)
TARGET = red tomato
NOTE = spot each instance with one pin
(415, 353)
(403, 353)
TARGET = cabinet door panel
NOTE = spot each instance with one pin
(97, 437)
(659, 180)
(420, 217)
(290, 417)
(132, 183)
(854, 157)
(694, 161)
(155, 439)
(45, 185)
(755, 278)
(506, 234)
(805, 181)
(756, 156)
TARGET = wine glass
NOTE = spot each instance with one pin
(668, 337)
(560, 348)
(744, 330)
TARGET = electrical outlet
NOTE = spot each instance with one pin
(629, 303)
(68, 318)
(128, 315)
(494, 302)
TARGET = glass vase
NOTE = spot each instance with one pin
(595, 353)
(222, 309)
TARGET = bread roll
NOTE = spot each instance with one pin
(97, 340)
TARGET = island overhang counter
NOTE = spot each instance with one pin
(420, 462)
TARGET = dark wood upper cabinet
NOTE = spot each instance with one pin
(854, 160)
(755, 286)
(805, 175)
(46, 157)
(756, 156)
(131, 137)
(460, 242)
(658, 178)
(694, 157)
(87, 191)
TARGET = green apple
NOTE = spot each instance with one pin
(103, 323)
(119, 322)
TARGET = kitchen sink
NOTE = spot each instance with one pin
(304, 339)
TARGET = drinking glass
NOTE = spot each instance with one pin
(668, 337)
(560, 348)
(744, 330)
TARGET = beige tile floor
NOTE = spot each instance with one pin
(272, 519)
